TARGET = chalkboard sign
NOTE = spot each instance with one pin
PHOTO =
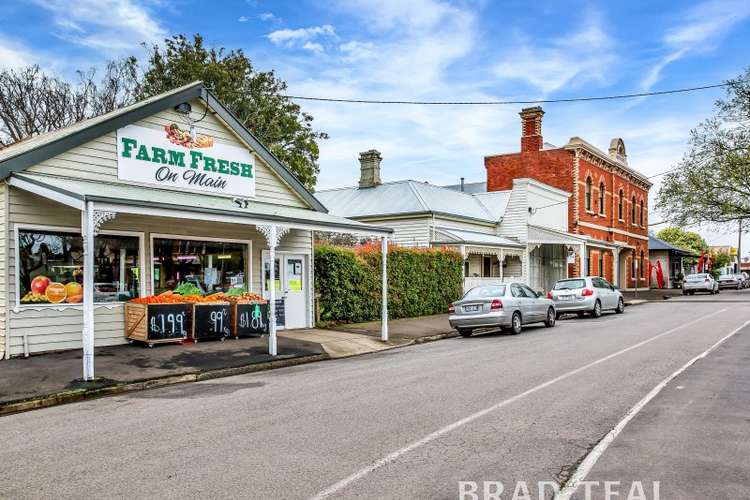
(210, 321)
(250, 320)
(167, 321)
(280, 312)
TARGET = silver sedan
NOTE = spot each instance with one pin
(590, 294)
(508, 306)
(701, 282)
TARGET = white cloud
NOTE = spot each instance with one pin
(268, 16)
(242, 19)
(701, 28)
(582, 56)
(290, 36)
(14, 55)
(126, 24)
(313, 47)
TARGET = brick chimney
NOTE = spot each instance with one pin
(369, 168)
(531, 129)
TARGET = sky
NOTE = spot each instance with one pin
(434, 50)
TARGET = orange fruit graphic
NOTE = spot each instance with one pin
(55, 292)
(73, 288)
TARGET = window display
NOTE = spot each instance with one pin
(51, 267)
(212, 266)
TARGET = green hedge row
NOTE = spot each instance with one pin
(420, 282)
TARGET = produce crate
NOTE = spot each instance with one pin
(210, 320)
(248, 319)
(157, 323)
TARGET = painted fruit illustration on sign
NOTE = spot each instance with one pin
(55, 292)
(40, 284)
(72, 289)
(183, 138)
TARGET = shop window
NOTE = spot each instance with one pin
(588, 194)
(212, 266)
(602, 193)
(51, 267)
(620, 202)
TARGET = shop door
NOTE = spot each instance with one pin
(291, 289)
(295, 291)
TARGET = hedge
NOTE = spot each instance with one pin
(420, 282)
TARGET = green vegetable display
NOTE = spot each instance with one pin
(185, 288)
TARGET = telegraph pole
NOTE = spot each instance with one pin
(739, 248)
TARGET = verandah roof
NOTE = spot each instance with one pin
(75, 192)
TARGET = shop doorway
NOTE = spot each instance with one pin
(291, 288)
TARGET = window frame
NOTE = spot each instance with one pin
(602, 198)
(641, 214)
(632, 212)
(247, 243)
(587, 194)
(17, 228)
(620, 206)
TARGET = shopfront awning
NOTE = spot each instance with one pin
(450, 236)
(546, 236)
(122, 198)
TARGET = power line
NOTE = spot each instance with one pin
(496, 103)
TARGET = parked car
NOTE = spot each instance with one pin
(731, 281)
(591, 294)
(508, 306)
(701, 282)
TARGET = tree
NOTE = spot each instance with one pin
(711, 184)
(256, 98)
(683, 239)
(32, 103)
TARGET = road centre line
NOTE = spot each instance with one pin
(588, 463)
(338, 486)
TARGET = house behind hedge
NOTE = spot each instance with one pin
(515, 235)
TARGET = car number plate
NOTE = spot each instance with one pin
(471, 309)
(565, 297)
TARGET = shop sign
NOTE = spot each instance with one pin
(173, 159)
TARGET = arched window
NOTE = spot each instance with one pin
(632, 211)
(641, 213)
(620, 201)
(641, 263)
(588, 194)
(602, 192)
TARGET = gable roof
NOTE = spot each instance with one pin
(21, 155)
(655, 243)
(408, 197)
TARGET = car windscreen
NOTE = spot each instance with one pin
(569, 285)
(485, 291)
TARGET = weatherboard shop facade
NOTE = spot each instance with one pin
(170, 190)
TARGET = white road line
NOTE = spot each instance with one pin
(588, 463)
(334, 488)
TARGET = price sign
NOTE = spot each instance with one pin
(252, 319)
(167, 321)
(211, 321)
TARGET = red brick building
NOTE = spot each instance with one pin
(609, 202)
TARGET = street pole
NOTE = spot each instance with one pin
(739, 248)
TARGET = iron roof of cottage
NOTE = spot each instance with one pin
(409, 197)
(655, 243)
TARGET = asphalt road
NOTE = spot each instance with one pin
(406, 423)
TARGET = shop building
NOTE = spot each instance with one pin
(516, 234)
(675, 262)
(609, 203)
(170, 190)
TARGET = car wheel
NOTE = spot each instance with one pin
(551, 318)
(684, 292)
(692, 293)
(465, 332)
(620, 306)
(597, 312)
(515, 323)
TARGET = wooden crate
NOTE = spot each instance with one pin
(244, 322)
(156, 323)
(210, 320)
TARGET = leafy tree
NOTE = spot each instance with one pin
(712, 182)
(32, 103)
(720, 260)
(256, 98)
(683, 239)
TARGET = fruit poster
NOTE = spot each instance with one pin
(176, 158)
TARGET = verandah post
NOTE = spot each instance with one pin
(384, 311)
(272, 239)
(87, 226)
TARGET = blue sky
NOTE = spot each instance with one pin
(432, 49)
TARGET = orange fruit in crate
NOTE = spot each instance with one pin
(73, 288)
(55, 292)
